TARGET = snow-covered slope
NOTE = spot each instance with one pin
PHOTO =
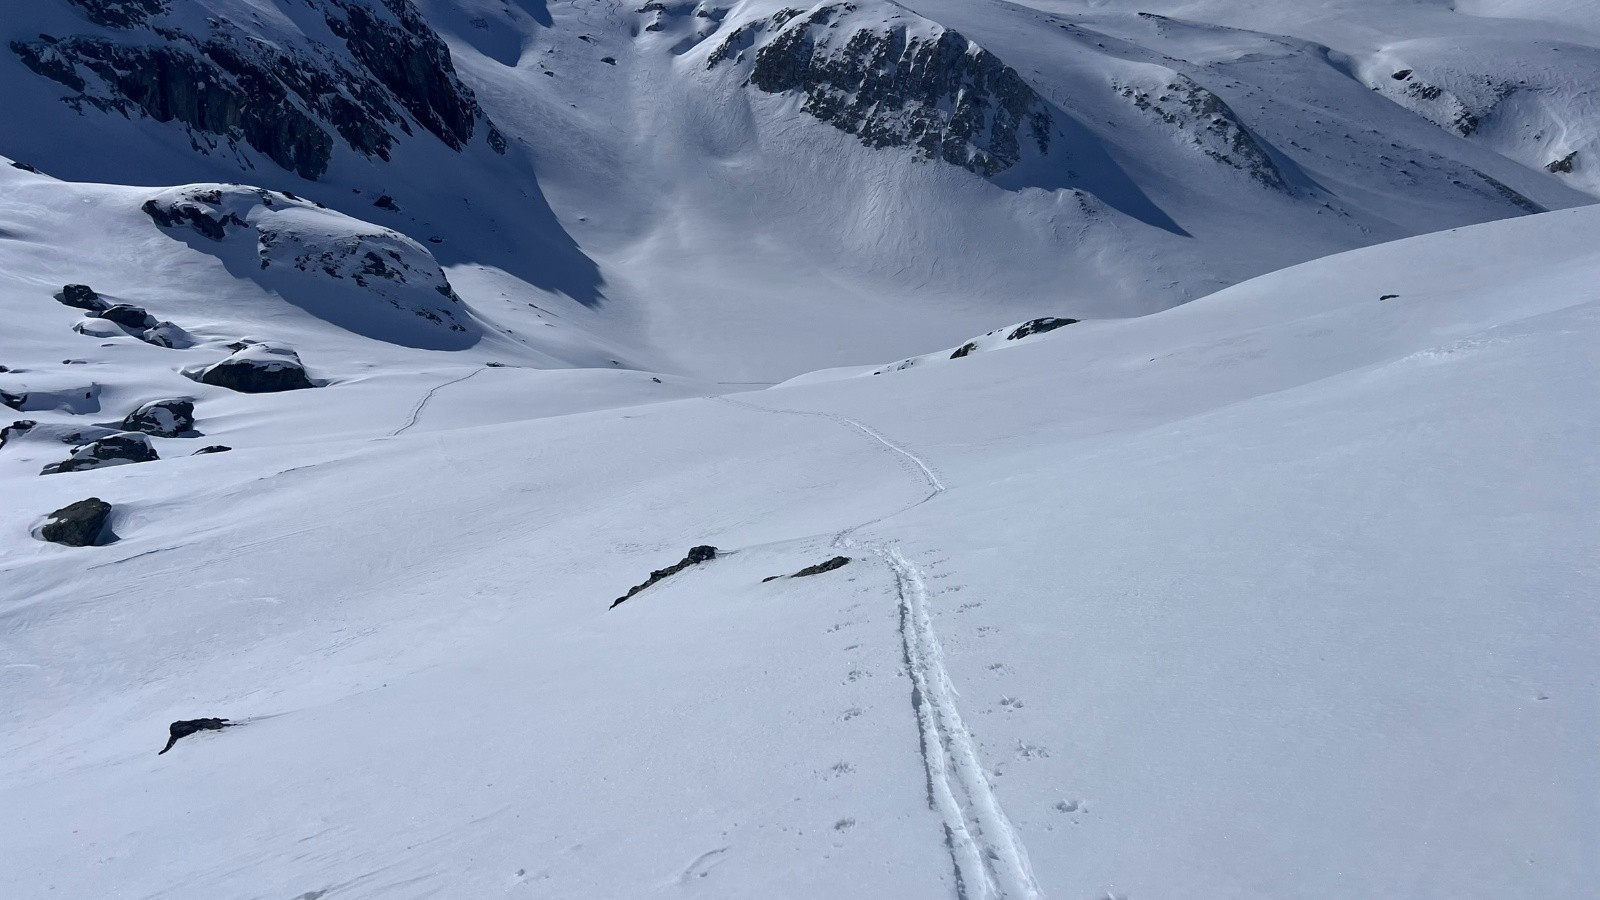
(752, 190)
(1284, 592)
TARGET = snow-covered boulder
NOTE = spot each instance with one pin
(30, 430)
(115, 450)
(258, 369)
(80, 524)
(162, 418)
(367, 278)
(45, 393)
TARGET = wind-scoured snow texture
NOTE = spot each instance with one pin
(369, 279)
(362, 72)
(894, 79)
(1538, 105)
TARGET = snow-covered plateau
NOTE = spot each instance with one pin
(927, 449)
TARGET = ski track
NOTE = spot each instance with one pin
(423, 403)
(990, 860)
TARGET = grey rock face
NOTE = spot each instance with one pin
(78, 524)
(285, 99)
(118, 449)
(162, 418)
(927, 88)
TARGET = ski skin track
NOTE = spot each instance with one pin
(990, 860)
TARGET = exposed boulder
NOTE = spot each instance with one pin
(115, 450)
(214, 448)
(697, 555)
(1562, 166)
(80, 524)
(1039, 326)
(162, 418)
(134, 318)
(259, 369)
(185, 727)
(81, 296)
(964, 350)
(838, 562)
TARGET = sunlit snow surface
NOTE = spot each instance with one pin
(1288, 591)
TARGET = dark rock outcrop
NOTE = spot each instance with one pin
(1039, 326)
(185, 727)
(283, 94)
(60, 433)
(81, 296)
(964, 350)
(898, 83)
(259, 369)
(78, 524)
(1564, 165)
(162, 418)
(214, 448)
(838, 562)
(696, 556)
(117, 449)
(127, 315)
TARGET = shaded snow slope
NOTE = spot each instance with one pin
(1284, 592)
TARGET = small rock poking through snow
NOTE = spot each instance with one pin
(697, 555)
(838, 562)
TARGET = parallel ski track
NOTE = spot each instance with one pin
(990, 860)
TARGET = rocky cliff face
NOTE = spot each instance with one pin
(894, 80)
(288, 96)
(1207, 124)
